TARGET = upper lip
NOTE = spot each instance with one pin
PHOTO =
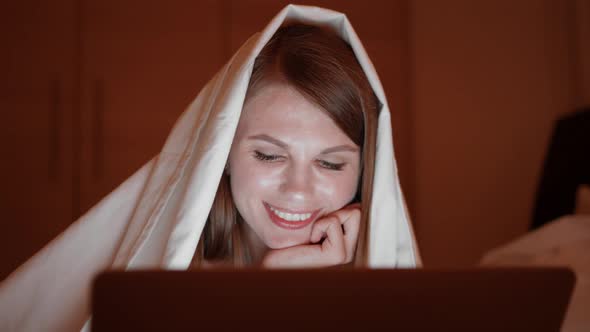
(298, 211)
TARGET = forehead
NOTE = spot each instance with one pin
(282, 110)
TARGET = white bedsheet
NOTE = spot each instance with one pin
(563, 242)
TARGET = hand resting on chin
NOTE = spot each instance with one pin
(339, 231)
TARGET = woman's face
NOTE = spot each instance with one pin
(289, 165)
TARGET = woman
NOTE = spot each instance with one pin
(275, 164)
(295, 160)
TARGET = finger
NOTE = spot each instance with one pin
(351, 224)
(320, 227)
(349, 216)
(293, 257)
(353, 206)
(333, 247)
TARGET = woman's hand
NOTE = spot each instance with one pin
(339, 231)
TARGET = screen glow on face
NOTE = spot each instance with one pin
(289, 165)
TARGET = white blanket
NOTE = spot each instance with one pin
(562, 242)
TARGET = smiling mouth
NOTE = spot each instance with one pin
(290, 219)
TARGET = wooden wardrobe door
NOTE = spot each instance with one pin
(489, 80)
(143, 63)
(36, 98)
(382, 28)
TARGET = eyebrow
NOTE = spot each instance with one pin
(281, 144)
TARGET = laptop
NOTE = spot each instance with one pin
(477, 299)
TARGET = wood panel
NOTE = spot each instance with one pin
(144, 62)
(489, 80)
(36, 100)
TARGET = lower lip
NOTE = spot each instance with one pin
(291, 225)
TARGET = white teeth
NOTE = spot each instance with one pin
(291, 216)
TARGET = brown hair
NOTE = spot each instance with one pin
(324, 69)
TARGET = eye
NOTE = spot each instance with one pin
(331, 166)
(267, 157)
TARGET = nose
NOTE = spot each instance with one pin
(297, 183)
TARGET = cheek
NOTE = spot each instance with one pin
(339, 191)
(249, 179)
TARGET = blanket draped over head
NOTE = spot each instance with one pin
(155, 218)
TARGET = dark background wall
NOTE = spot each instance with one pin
(89, 90)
